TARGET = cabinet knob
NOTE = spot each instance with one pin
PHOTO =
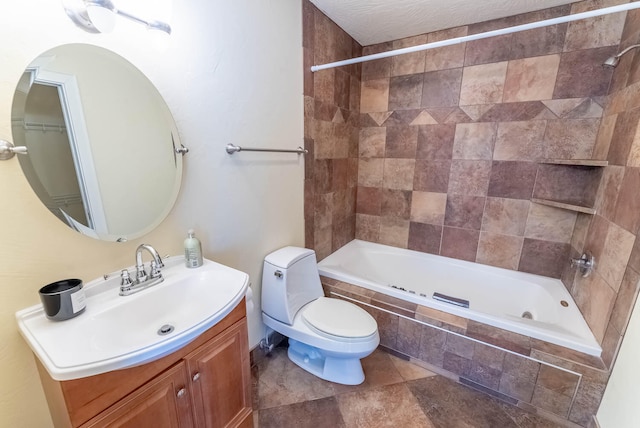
(181, 392)
(196, 377)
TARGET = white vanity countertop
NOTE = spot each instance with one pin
(116, 332)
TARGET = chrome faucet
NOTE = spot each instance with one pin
(143, 280)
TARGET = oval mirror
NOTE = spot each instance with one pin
(101, 142)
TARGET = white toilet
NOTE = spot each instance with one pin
(327, 337)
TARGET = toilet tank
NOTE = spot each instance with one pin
(290, 280)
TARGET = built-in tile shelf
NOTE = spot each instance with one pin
(576, 162)
(570, 184)
(565, 206)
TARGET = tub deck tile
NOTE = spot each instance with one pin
(548, 352)
(395, 305)
(443, 319)
(502, 338)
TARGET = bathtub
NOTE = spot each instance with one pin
(531, 305)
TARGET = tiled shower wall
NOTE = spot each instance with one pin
(606, 298)
(451, 138)
(444, 148)
(331, 107)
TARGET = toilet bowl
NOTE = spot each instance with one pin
(327, 337)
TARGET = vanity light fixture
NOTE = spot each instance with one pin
(98, 16)
(613, 61)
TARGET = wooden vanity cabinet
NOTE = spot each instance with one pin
(206, 384)
(161, 403)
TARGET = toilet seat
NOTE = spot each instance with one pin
(338, 319)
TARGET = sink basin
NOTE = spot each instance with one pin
(116, 332)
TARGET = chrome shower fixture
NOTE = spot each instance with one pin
(614, 60)
(98, 16)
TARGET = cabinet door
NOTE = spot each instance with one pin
(220, 380)
(164, 402)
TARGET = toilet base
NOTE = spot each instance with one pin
(347, 371)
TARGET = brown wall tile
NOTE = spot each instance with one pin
(627, 212)
(469, 177)
(543, 257)
(448, 56)
(623, 137)
(372, 142)
(435, 141)
(368, 227)
(615, 255)
(530, 79)
(394, 231)
(369, 201)
(506, 216)
(405, 92)
(374, 96)
(459, 243)
(594, 32)
(474, 140)
(402, 142)
(512, 179)
(570, 139)
(396, 203)
(499, 250)
(550, 224)
(521, 141)
(411, 63)
(586, 63)
(464, 211)
(432, 175)
(428, 207)
(398, 174)
(539, 41)
(492, 49)
(425, 237)
(595, 298)
(441, 88)
(483, 84)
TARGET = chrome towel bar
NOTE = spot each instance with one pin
(232, 148)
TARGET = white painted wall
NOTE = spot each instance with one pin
(619, 407)
(231, 73)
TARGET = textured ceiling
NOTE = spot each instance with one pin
(376, 21)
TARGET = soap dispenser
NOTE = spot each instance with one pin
(192, 251)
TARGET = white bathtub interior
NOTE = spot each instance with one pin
(497, 297)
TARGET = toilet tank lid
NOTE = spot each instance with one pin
(285, 257)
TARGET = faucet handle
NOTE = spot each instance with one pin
(125, 279)
(155, 269)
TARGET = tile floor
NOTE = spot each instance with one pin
(395, 394)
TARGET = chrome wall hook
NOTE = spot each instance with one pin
(8, 150)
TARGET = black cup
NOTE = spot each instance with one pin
(63, 299)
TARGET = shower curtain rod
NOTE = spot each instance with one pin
(493, 33)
